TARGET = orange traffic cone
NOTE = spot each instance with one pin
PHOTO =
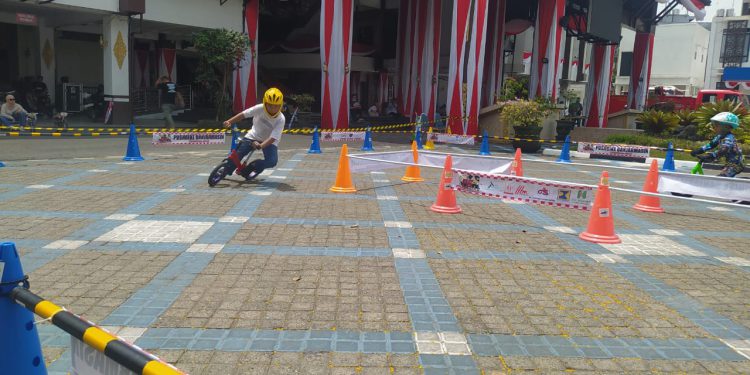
(650, 203)
(446, 197)
(601, 227)
(412, 171)
(344, 182)
(516, 169)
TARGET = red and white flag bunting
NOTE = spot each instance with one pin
(543, 81)
(455, 103)
(522, 189)
(246, 72)
(336, 42)
(167, 63)
(640, 72)
(598, 85)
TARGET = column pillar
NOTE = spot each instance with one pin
(116, 67)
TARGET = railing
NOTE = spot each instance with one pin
(147, 100)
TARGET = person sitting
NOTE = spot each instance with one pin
(11, 112)
(373, 111)
(391, 110)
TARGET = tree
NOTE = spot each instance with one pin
(219, 50)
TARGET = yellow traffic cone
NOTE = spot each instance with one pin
(429, 145)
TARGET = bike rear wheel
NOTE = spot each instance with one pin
(218, 174)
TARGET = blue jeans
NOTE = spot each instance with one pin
(270, 157)
(18, 117)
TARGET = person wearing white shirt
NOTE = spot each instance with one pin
(268, 124)
(11, 112)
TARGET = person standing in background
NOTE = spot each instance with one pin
(167, 94)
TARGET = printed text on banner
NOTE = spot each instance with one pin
(191, 138)
(455, 139)
(524, 190)
(342, 136)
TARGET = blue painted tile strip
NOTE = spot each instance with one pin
(147, 304)
(703, 317)
(277, 340)
(586, 347)
(306, 251)
(428, 309)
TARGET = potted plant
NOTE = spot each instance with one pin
(526, 118)
(566, 124)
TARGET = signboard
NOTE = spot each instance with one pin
(26, 19)
(614, 152)
(89, 361)
(343, 136)
(521, 189)
(189, 138)
(455, 139)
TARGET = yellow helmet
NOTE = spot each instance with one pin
(273, 96)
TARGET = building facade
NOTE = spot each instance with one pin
(729, 46)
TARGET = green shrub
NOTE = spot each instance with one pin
(657, 122)
(706, 111)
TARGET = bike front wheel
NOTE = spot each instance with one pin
(218, 174)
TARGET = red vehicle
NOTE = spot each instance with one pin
(619, 102)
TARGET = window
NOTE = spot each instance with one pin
(709, 98)
(735, 44)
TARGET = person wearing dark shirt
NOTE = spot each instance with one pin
(167, 94)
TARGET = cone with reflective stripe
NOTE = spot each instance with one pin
(343, 182)
(367, 144)
(133, 152)
(565, 153)
(315, 145)
(412, 172)
(20, 351)
(446, 196)
(668, 165)
(429, 144)
(650, 203)
(601, 228)
(516, 168)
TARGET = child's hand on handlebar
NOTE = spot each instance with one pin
(227, 124)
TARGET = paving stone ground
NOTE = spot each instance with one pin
(281, 276)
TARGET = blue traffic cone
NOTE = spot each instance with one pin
(485, 148)
(315, 146)
(234, 142)
(20, 351)
(418, 138)
(565, 153)
(668, 165)
(134, 152)
(367, 145)
(1, 164)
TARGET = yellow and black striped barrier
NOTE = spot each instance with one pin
(127, 355)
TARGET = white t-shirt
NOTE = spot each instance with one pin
(264, 126)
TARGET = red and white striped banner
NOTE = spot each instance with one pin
(455, 103)
(579, 197)
(494, 54)
(336, 55)
(547, 37)
(598, 85)
(475, 67)
(246, 72)
(640, 73)
(403, 57)
(167, 63)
